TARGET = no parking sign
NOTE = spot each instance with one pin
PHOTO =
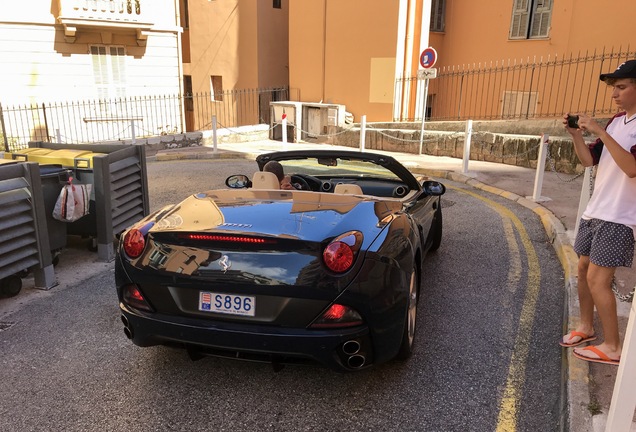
(428, 58)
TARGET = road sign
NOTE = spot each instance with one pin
(428, 58)
(427, 73)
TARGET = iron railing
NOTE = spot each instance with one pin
(108, 120)
(525, 89)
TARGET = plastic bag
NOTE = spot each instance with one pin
(73, 202)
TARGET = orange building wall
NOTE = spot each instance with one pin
(357, 65)
(244, 41)
(475, 33)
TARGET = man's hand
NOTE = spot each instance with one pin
(587, 123)
(286, 183)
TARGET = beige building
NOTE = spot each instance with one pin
(91, 61)
(86, 49)
(85, 58)
(352, 51)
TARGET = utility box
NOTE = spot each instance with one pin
(293, 113)
(322, 119)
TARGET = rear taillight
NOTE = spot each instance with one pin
(135, 240)
(134, 243)
(338, 316)
(133, 297)
(340, 253)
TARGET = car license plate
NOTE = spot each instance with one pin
(227, 303)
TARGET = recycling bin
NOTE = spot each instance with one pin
(119, 192)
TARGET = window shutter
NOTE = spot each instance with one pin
(541, 19)
(438, 8)
(520, 17)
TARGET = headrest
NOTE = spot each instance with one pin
(265, 180)
(347, 188)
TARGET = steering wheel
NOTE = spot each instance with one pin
(304, 185)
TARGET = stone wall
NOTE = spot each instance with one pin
(508, 142)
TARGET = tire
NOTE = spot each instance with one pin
(10, 286)
(436, 230)
(410, 321)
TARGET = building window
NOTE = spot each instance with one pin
(519, 104)
(530, 19)
(185, 14)
(277, 4)
(109, 70)
(216, 88)
(438, 9)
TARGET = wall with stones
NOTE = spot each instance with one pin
(508, 142)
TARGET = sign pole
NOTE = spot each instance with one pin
(424, 97)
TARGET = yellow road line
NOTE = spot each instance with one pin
(508, 407)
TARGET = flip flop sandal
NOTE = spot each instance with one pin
(584, 338)
(602, 357)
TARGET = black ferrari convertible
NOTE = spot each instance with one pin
(326, 272)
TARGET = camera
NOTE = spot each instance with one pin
(573, 121)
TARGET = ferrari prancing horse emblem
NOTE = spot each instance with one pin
(225, 263)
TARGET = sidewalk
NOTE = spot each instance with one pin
(589, 386)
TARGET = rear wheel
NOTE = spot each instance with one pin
(10, 286)
(408, 335)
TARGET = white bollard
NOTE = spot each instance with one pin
(538, 179)
(214, 138)
(363, 132)
(623, 402)
(58, 136)
(468, 134)
(132, 131)
(284, 125)
(424, 96)
(585, 197)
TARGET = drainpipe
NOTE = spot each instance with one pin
(324, 50)
(408, 57)
(177, 18)
(398, 96)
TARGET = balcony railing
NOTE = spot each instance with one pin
(115, 15)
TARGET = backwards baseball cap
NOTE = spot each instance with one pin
(624, 70)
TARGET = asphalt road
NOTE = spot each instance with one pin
(485, 357)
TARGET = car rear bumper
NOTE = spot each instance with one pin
(341, 349)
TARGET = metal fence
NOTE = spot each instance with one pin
(525, 89)
(123, 119)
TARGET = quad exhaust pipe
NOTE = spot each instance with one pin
(128, 331)
(355, 359)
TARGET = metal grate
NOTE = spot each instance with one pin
(18, 242)
(127, 193)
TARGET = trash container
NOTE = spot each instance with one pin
(53, 178)
(75, 163)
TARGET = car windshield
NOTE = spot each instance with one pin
(331, 167)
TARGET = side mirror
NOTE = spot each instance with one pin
(238, 181)
(434, 188)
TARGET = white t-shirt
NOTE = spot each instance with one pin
(614, 196)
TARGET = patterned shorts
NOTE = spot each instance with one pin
(608, 244)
